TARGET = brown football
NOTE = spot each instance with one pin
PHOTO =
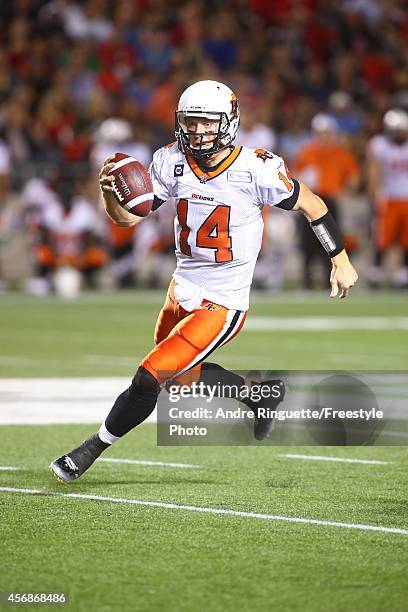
(133, 186)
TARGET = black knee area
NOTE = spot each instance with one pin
(144, 382)
(134, 405)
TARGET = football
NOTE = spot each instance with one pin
(132, 185)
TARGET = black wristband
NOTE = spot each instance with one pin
(328, 234)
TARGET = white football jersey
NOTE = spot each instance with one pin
(393, 159)
(218, 224)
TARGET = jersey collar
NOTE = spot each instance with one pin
(225, 164)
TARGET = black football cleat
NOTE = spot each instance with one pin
(263, 425)
(71, 466)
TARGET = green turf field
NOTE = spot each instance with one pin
(112, 556)
(108, 335)
(118, 555)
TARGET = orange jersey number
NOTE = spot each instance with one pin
(214, 233)
(182, 208)
(286, 179)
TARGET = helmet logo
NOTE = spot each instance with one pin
(234, 105)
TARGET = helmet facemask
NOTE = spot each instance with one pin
(221, 140)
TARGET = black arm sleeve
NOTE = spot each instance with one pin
(289, 203)
(328, 234)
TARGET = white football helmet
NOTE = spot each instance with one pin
(396, 120)
(324, 123)
(209, 100)
(113, 131)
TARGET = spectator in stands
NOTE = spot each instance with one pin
(293, 137)
(341, 109)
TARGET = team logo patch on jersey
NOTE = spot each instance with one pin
(211, 306)
(239, 176)
(264, 154)
(197, 196)
(179, 170)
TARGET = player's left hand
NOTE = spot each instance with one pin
(342, 277)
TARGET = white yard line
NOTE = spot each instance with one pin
(6, 468)
(16, 360)
(348, 359)
(140, 462)
(169, 506)
(340, 459)
(46, 401)
(395, 434)
(308, 324)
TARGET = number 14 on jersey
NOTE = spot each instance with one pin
(213, 233)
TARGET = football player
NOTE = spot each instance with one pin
(388, 187)
(220, 191)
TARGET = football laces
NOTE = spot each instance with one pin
(117, 193)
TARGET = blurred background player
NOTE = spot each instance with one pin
(388, 187)
(112, 136)
(255, 133)
(329, 169)
(4, 199)
(62, 225)
(153, 251)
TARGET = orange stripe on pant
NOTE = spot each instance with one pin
(181, 337)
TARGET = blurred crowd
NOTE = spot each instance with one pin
(82, 79)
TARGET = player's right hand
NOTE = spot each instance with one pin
(118, 215)
(106, 179)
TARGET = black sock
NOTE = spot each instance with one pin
(134, 405)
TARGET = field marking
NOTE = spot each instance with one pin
(140, 462)
(112, 360)
(349, 358)
(4, 468)
(16, 360)
(341, 459)
(395, 434)
(45, 401)
(316, 323)
(239, 513)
